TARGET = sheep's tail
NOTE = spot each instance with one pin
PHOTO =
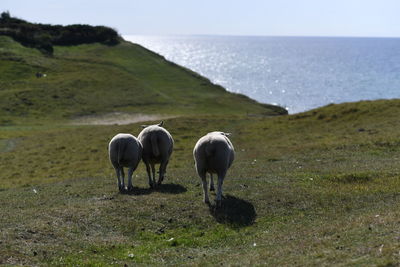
(154, 145)
(120, 152)
(210, 150)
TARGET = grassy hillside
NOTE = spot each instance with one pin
(93, 79)
(317, 188)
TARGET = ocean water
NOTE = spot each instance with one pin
(298, 73)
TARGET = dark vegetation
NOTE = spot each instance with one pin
(45, 36)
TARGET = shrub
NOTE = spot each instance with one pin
(44, 36)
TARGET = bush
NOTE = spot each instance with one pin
(44, 36)
(5, 15)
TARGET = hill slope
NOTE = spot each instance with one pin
(318, 188)
(95, 78)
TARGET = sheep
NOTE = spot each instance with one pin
(157, 148)
(213, 153)
(125, 150)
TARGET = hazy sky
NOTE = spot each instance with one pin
(228, 17)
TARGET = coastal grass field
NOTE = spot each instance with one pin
(312, 189)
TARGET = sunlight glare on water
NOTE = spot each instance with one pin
(299, 73)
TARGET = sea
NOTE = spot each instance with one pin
(298, 73)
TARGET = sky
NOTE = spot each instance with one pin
(358, 18)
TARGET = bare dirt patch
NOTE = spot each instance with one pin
(117, 118)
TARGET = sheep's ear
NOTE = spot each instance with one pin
(227, 134)
(161, 123)
(144, 126)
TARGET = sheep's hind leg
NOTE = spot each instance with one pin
(163, 169)
(153, 171)
(118, 172)
(122, 184)
(219, 190)
(205, 191)
(211, 183)
(130, 173)
(149, 174)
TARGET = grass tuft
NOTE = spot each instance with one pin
(351, 178)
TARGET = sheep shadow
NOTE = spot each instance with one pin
(138, 191)
(170, 189)
(163, 188)
(235, 212)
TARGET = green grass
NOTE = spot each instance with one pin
(319, 188)
(97, 79)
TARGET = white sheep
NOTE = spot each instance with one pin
(157, 148)
(213, 153)
(125, 150)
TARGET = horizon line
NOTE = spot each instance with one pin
(257, 35)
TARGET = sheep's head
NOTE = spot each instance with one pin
(221, 133)
(160, 125)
